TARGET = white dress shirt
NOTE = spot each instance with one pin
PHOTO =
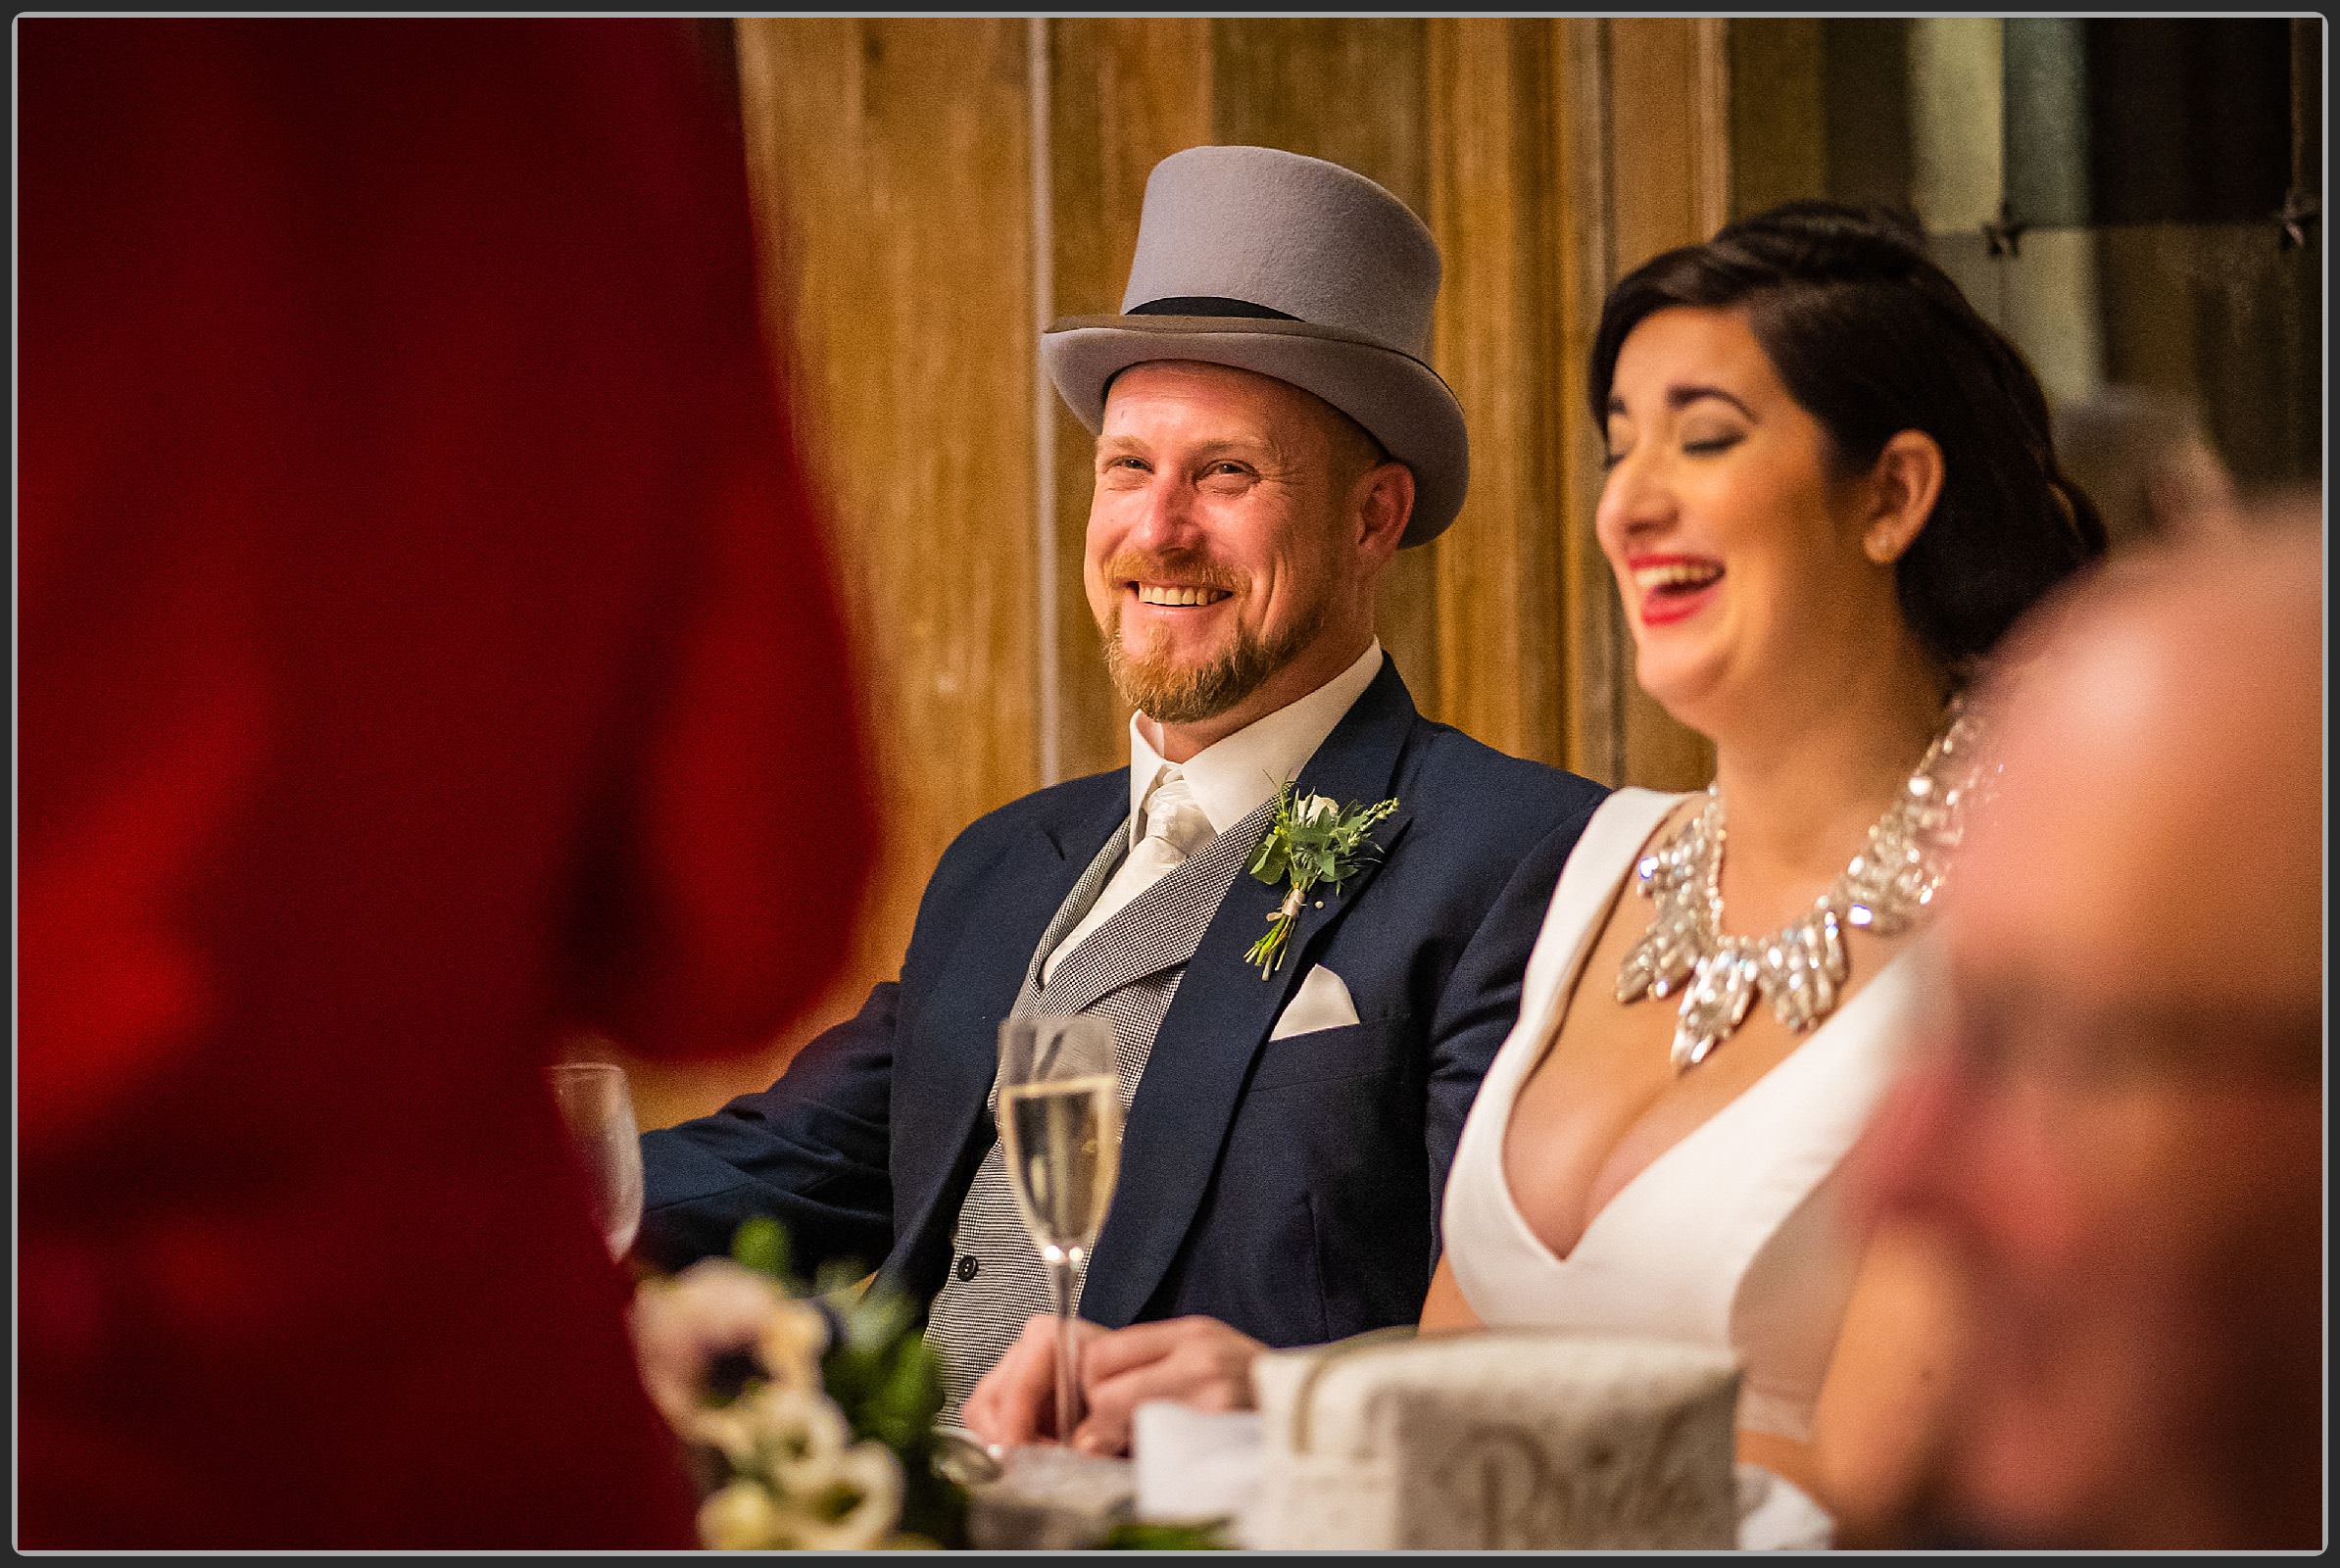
(1228, 780)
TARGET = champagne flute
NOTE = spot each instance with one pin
(599, 1112)
(1060, 1134)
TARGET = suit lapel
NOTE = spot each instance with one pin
(1070, 908)
(1221, 1015)
(937, 1110)
(1158, 929)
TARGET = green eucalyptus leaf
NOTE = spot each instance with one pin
(1134, 1534)
(762, 1243)
(1305, 847)
(905, 1398)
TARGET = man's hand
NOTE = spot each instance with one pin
(1196, 1361)
(1017, 1401)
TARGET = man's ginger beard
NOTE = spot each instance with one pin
(1170, 692)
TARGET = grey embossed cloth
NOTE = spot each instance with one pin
(1205, 1464)
(1504, 1440)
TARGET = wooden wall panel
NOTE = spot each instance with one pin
(1498, 586)
(1594, 641)
(1667, 76)
(1125, 93)
(1779, 131)
(892, 187)
(1351, 90)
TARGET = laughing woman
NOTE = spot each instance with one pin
(1830, 489)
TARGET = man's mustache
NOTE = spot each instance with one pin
(1178, 566)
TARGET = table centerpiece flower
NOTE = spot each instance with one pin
(807, 1414)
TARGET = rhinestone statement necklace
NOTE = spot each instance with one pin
(1802, 966)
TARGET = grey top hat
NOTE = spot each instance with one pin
(1289, 267)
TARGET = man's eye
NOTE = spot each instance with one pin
(1610, 459)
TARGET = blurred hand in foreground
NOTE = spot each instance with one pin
(1197, 1362)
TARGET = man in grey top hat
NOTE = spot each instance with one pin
(1269, 436)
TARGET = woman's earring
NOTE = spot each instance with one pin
(1880, 547)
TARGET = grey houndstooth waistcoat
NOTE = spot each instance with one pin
(1126, 970)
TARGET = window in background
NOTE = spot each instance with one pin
(2133, 200)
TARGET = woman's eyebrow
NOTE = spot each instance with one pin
(1681, 397)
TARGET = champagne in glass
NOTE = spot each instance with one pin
(1063, 1142)
(1060, 1136)
(599, 1112)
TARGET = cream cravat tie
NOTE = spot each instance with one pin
(1175, 827)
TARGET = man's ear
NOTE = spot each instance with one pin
(1384, 505)
(1905, 480)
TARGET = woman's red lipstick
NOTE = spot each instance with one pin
(1672, 587)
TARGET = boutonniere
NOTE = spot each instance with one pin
(1310, 840)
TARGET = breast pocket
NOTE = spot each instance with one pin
(1351, 1050)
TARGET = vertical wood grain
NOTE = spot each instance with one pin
(1779, 121)
(1666, 188)
(1498, 588)
(888, 160)
(1594, 638)
(1351, 90)
(1125, 93)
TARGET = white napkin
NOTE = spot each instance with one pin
(1196, 1465)
(1776, 1515)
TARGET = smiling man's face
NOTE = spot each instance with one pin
(1232, 548)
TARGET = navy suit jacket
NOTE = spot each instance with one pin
(1291, 1187)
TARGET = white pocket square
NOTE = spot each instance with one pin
(1321, 1002)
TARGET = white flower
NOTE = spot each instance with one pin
(854, 1507)
(740, 1517)
(861, 1505)
(715, 1309)
(792, 1342)
(797, 1479)
(807, 1436)
(1316, 807)
(791, 1436)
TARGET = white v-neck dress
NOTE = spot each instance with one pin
(1733, 1237)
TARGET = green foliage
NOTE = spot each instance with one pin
(1314, 840)
(1309, 840)
(1210, 1535)
(884, 1376)
(762, 1243)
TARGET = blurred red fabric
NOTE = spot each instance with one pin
(425, 650)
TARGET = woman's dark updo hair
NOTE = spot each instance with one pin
(1872, 338)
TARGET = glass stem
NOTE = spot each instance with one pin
(1068, 1387)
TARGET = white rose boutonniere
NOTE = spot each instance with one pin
(1311, 840)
